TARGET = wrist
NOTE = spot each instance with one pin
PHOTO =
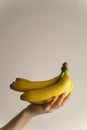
(28, 111)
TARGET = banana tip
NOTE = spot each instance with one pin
(21, 97)
(11, 86)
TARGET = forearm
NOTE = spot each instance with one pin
(18, 122)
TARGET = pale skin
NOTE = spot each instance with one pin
(33, 110)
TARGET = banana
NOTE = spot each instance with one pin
(39, 92)
(68, 91)
(42, 95)
(22, 79)
(24, 85)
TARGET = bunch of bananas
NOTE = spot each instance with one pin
(39, 92)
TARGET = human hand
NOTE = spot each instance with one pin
(32, 110)
(37, 109)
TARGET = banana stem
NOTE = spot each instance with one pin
(64, 66)
(64, 69)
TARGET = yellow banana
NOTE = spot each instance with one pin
(41, 95)
(68, 91)
(24, 85)
(22, 79)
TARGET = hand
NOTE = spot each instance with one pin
(19, 121)
(51, 106)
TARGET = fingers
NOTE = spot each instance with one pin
(49, 104)
(59, 101)
(52, 101)
(56, 103)
(66, 98)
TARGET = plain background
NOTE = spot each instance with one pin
(36, 37)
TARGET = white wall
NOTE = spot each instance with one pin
(36, 37)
